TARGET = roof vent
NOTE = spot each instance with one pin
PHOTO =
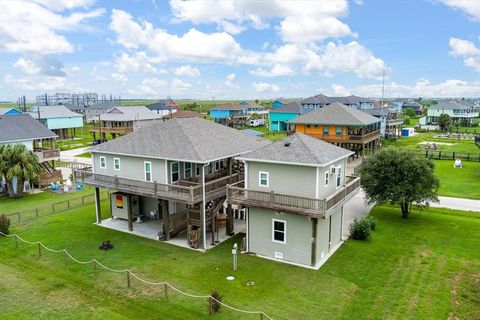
(287, 144)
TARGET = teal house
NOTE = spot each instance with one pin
(280, 116)
(59, 119)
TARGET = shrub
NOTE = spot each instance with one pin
(373, 222)
(215, 302)
(360, 229)
(4, 224)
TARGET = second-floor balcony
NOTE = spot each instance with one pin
(117, 130)
(181, 191)
(44, 154)
(394, 122)
(354, 138)
(312, 207)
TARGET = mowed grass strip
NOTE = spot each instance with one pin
(424, 267)
(458, 182)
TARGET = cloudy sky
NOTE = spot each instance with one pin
(240, 49)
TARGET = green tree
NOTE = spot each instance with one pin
(17, 162)
(444, 121)
(398, 177)
(410, 112)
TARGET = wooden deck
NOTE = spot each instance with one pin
(293, 204)
(46, 154)
(186, 192)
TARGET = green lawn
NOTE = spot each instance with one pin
(458, 182)
(29, 201)
(413, 143)
(85, 155)
(274, 136)
(426, 267)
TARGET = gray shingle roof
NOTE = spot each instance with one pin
(442, 104)
(380, 112)
(22, 127)
(292, 107)
(235, 107)
(336, 114)
(318, 99)
(129, 114)
(299, 149)
(184, 139)
(47, 112)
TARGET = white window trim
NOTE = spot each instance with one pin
(145, 171)
(105, 162)
(284, 233)
(185, 169)
(339, 174)
(260, 179)
(171, 171)
(119, 165)
(326, 178)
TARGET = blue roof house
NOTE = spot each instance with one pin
(10, 111)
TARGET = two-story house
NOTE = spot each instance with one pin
(280, 116)
(461, 113)
(294, 193)
(343, 126)
(234, 115)
(417, 107)
(23, 129)
(390, 121)
(59, 119)
(172, 177)
(122, 120)
(164, 107)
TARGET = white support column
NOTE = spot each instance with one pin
(202, 211)
(98, 209)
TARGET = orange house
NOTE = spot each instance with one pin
(343, 126)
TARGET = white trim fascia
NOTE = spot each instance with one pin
(317, 182)
(29, 139)
(246, 174)
(166, 171)
(296, 163)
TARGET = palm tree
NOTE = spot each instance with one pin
(17, 162)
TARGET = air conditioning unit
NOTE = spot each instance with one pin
(333, 170)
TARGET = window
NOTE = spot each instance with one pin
(327, 176)
(210, 168)
(103, 162)
(148, 171)
(308, 126)
(116, 164)
(325, 130)
(217, 165)
(197, 169)
(174, 171)
(338, 131)
(187, 170)
(339, 176)
(279, 231)
(263, 179)
(315, 126)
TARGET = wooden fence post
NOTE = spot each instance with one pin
(53, 208)
(36, 212)
(65, 260)
(165, 289)
(68, 204)
(18, 214)
(128, 279)
(16, 241)
(94, 267)
(210, 303)
(261, 315)
(39, 249)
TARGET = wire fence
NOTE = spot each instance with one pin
(130, 274)
(57, 207)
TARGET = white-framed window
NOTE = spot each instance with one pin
(263, 179)
(147, 165)
(116, 164)
(339, 176)
(279, 231)
(327, 177)
(174, 171)
(103, 162)
(217, 165)
(197, 169)
(187, 169)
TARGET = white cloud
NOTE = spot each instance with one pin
(340, 91)
(276, 71)
(187, 71)
(138, 62)
(119, 77)
(421, 88)
(265, 87)
(179, 87)
(28, 67)
(40, 65)
(308, 29)
(229, 81)
(470, 7)
(28, 27)
(44, 83)
(56, 5)
(467, 50)
(149, 88)
(193, 45)
(350, 57)
(300, 20)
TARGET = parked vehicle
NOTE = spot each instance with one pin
(256, 122)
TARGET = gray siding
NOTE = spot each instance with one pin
(323, 233)
(288, 179)
(298, 241)
(130, 167)
(324, 192)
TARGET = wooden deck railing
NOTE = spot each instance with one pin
(46, 154)
(183, 192)
(290, 203)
